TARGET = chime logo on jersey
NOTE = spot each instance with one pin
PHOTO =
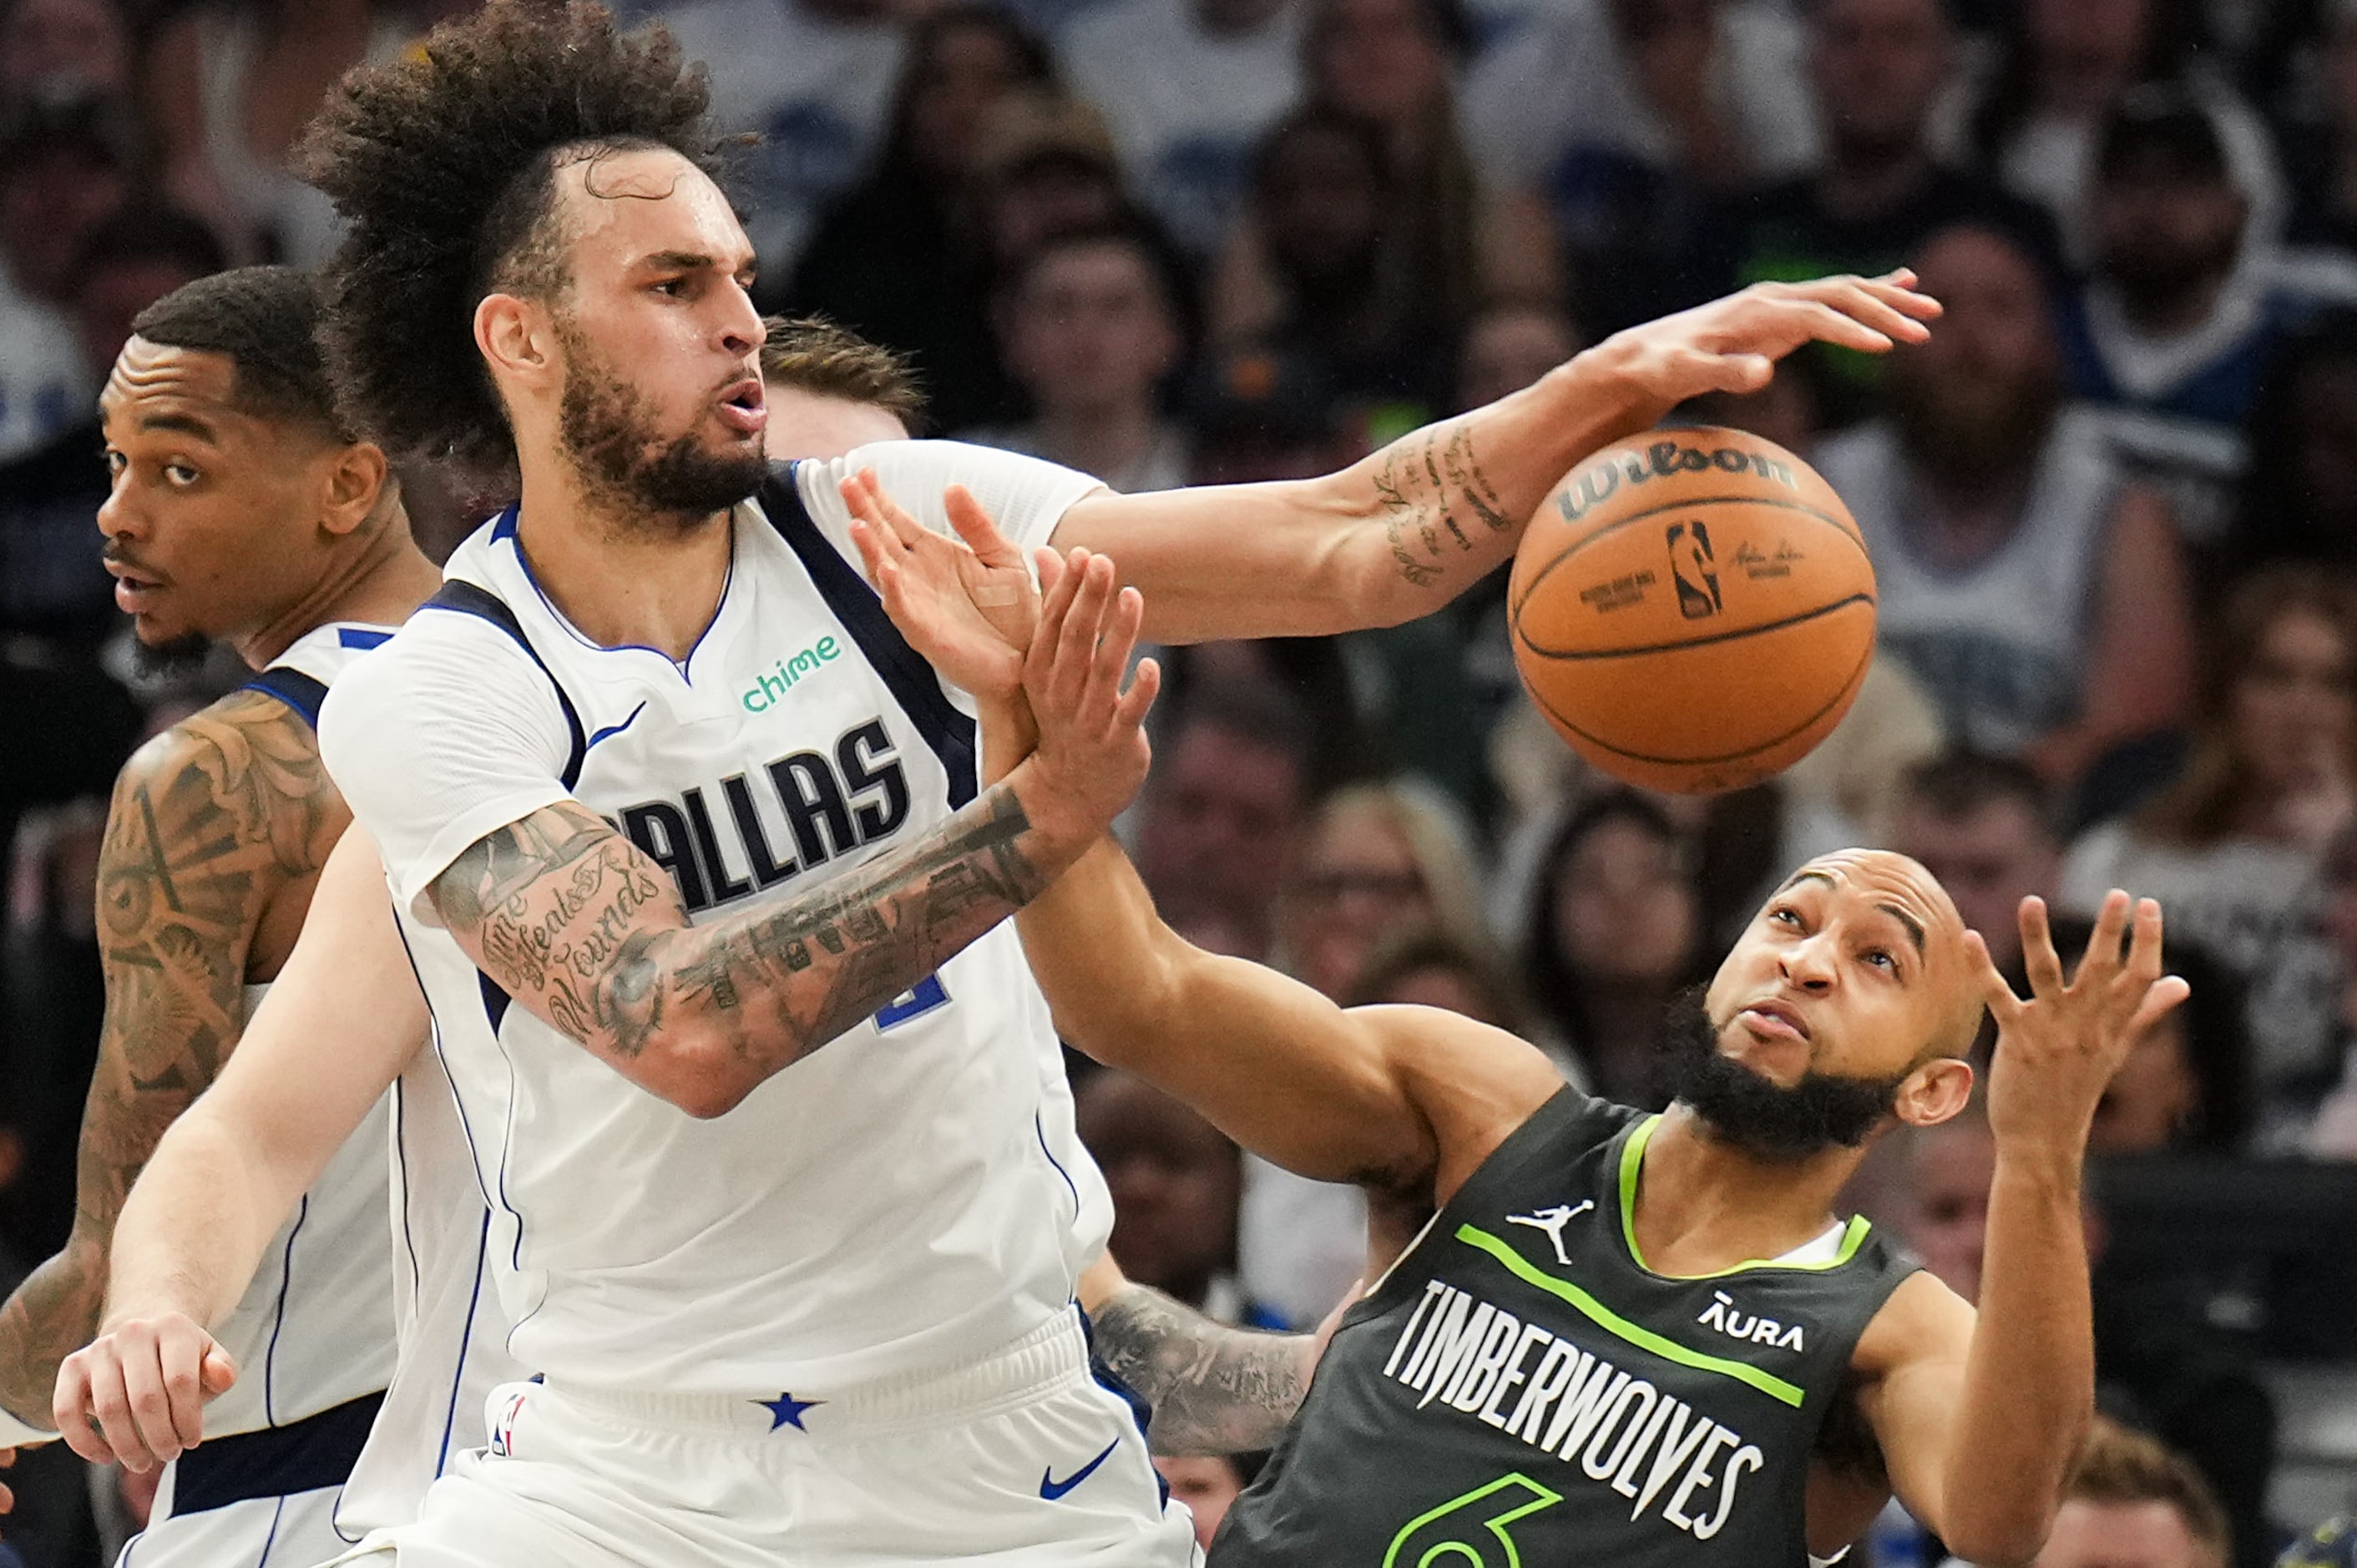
(789, 816)
(1672, 1461)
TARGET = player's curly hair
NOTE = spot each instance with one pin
(443, 166)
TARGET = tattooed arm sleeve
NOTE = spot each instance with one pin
(1214, 1389)
(210, 822)
(574, 922)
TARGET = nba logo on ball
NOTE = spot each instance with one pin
(1725, 663)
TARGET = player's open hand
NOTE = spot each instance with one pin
(1092, 752)
(137, 1392)
(1731, 345)
(2058, 1051)
(967, 604)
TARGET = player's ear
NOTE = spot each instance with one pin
(356, 480)
(1934, 1091)
(513, 336)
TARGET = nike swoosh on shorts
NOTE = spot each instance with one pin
(1051, 1489)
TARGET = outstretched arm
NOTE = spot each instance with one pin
(1399, 533)
(1979, 1420)
(342, 1019)
(211, 821)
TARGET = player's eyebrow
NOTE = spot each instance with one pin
(1805, 876)
(1914, 927)
(187, 424)
(677, 261)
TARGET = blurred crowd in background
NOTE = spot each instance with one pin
(2113, 507)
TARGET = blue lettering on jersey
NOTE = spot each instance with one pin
(833, 802)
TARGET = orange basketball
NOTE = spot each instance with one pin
(1693, 609)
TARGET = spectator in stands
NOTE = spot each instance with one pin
(2181, 314)
(1175, 1181)
(53, 50)
(50, 582)
(1619, 116)
(1262, 411)
(1321, 188)
(2333, 1134)
(1425, 967)
(2300, 487)
(1090, 327)
(1222, 816)
(1509, 345)
(1878, 68)
(1189, 86)
(1376, 860)
(228, 87)
(2131, 1503)
(1046, 166)
(814, 79)
(1985, 826)
(2060, 67)
(901, 258)
(1942, 1206)
(2233, 850)
(64, 167)
(1208, 1485)
(2038, 598)
(1616, 930)
(2186, 1086)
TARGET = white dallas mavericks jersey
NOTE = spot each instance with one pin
(2002, 645)
(910, 1196)
(313, 1334)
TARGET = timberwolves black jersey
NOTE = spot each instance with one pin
(1521, 1389)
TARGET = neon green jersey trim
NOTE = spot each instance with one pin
(1612, 1323)
(1632, 1160)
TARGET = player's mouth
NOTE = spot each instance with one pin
(1774, 1020)
(135, 587)
(742, 407)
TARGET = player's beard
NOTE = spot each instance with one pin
(172, 658)
(1765, 1119)
(608, 431)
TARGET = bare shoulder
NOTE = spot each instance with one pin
(1473, 1084)
(1922, 1323)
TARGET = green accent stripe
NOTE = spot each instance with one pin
(1632, 1161)
(1612, 1322)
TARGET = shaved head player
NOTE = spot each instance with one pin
(694, 859)
(243, 509)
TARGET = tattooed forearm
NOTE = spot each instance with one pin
(214, 827)
(562, 910)
(1429, 484)
(1214, 1389)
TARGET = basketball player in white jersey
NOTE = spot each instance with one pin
(242, 509)
(784, 1297)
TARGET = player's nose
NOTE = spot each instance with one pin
(1809, 965)
(742, 331)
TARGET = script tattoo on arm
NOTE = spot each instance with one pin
(1214, 1389)
(213, 825)
(569, 917)
(1431, 490)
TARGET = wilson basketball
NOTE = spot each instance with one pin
(1693, 609)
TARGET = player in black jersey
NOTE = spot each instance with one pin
(1625, 1339)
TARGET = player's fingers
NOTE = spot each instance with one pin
(180, 1358)
(1076, 656)
(219, 1373)
(2143, 958)
(2101, 959)
(1995, 990)
(69, 1410)
(883, 509)
(1116, 643)
(2039, 960)
(1828, 325)
(1899, 291)
(110, 1407)
(1145, 685)
(1060, 577)
(147, 1381)
(979, 529)
(868, 540)
(2160, 998)
(1741, 373)
(1877, 308)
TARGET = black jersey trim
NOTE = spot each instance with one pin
(947, 729)
(468, 599)
(302, 692)
(276, 1462)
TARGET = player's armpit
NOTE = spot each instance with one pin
(1214, 1389)
(211, 822)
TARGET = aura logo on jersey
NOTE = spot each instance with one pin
(786, 817)
(1679, 1467)
(1723, 1315)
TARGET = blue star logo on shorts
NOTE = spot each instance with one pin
(787, 1411)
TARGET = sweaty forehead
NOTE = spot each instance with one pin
(148, 376)
(1895, 881)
